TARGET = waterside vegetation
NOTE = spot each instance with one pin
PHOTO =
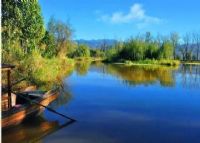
(38, 54)
(44, 54)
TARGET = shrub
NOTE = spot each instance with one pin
(82, 51)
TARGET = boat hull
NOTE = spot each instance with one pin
(16, 116)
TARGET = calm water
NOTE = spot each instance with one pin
(122, 104)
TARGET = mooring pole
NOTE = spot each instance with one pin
(9, 90)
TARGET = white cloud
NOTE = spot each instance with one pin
(136, 14)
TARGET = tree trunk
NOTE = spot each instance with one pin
(198, 51)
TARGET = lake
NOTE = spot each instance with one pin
(121, 104)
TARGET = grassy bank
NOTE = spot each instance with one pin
(46, 72)
(191, 62)
(88, 59)
(43, 72)
(149, 62)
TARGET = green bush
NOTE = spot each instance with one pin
(141, 50)
(46, 72)
(97, 53)
(82, 51)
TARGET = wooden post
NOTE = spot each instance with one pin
(9, 90)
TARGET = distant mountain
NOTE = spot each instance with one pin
(96, 43)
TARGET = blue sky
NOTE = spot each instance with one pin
(120, 19)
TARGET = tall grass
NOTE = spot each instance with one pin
(42, 72)
(154, 62)
(46, 72)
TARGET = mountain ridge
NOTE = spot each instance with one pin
(96, 43)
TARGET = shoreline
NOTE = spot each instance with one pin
(88, 59)
(148, 62)
(190, 63)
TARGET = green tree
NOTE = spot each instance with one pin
(96, 53)
(186, 48)
(166, 50)
(62, 33)
(152, 51)
(48, 45)
(22, 24)
(112, 54)
(33, 25)
(71, 48)
(174, 39)
(82, 51)
(148, 37)
(196, 41)
(11, 22)
(133, 50)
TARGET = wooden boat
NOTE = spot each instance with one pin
(4, 97)
(27, 108)
(19, 106)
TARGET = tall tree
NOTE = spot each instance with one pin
(82, 51)
(48, 45)
(186, 47)
(33, 25)
(22, 23)
(166, 51)
(196, 39)
(174, 39)
(152, 51)
(11, 22)
(148, 37)
(104, 45)
(62, 33)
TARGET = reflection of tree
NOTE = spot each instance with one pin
(148, 74)
(190, 76)
(64, 97)
(98, 67)
(82, 67)
(143, 74)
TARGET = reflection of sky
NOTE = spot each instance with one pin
(109, 111)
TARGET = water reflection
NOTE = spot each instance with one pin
(34, 129)
(110, 108)
(64, 97)
(31, 130)
(116, 111)
(190, 76)
(147, 75)
(136, 75)
(82, 67)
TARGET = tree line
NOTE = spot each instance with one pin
(22, 26)
(23, 31)
(146, 46)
